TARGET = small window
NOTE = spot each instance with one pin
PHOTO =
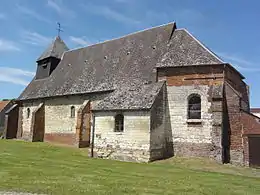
(119, 123)
(44, 66)
(28, 112)
(194, 106)
(72, 112)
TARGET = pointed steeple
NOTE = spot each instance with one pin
(55, 49)
(50, 58)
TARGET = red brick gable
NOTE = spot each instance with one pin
(255, 110)
(3, 104)
(251, 123)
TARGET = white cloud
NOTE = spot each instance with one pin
(29, 12)
(239, 63)
(15, 75)
(6, 45)
(35, 38)
(60, 8)
(111, 14)
(80, 40)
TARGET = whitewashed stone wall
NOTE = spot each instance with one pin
(58, 114)
(26, 122)
(178, 112)
(131, 145)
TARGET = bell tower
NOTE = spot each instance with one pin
(50, 58)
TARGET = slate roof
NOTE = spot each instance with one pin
(185, 50)
(125, 63)
(56, 49)
(141, 97)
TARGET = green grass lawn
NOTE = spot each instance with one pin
(43, 168)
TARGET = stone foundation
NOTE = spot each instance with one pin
(192, 149)
(237, 157)
(121, 154)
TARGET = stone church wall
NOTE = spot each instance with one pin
(27, 118)
(132, 144)
(59, 126)
(190, 139)
(200, 137)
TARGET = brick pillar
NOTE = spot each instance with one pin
(38, 124)
(11, 122)
(234, 125)
(83, 125)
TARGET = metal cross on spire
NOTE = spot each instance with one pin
(59, 29)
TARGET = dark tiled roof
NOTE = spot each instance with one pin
(127, 61)
(186, 50)
(140, 97)
(56, 49)
(122, 63)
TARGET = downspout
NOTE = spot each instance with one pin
(93, 136)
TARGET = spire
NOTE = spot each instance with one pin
(56, 49)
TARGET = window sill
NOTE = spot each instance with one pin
(194, 121)
(119, 133)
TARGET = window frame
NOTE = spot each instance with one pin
(119, 123)
(72, 112)
(28, 113)
(189, 109)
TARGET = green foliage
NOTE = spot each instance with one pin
(8, 99)
(43, 168)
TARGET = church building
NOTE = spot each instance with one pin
(146, 96)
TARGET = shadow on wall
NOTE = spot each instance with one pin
(225, 132)
(169, 149)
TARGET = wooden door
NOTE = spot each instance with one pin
(254, 151)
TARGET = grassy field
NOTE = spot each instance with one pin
(43, 168)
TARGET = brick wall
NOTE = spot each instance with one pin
(237, 98)
(131, 145)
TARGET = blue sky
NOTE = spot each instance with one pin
(229, 28)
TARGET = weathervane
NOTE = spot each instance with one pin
(59, 29)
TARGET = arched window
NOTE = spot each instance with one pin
(28, 112)
(72, 112)
(119, 123)
(194, 106)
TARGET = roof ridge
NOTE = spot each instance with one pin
(201, 44)
(121, 37)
